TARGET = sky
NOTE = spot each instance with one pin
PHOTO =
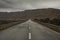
(29, 4)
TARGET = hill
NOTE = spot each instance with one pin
(31, 14)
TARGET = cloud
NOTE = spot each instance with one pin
(29, 4)
(51, 4)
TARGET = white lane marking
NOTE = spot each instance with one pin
(29, 35)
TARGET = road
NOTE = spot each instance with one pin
(17, 32)
(22, 31)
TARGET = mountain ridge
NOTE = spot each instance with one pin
(31, 14)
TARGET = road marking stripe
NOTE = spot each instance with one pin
(29, 35)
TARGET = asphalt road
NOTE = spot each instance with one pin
(29, 31)
(17, 32)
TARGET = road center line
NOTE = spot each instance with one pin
(29, 35)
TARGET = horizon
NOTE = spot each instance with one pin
(15, 10)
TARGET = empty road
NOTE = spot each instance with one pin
(29, 30)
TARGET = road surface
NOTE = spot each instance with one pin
(29, 30)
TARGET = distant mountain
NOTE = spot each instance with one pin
(31, 14)
(44, 13)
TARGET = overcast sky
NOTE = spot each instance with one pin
(29, 4)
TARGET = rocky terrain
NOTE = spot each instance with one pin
(31, 14)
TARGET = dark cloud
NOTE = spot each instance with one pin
(4, 4)
(7, 1)
(29, 4)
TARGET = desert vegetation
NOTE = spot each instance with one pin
(4, 24)
(50, 23)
